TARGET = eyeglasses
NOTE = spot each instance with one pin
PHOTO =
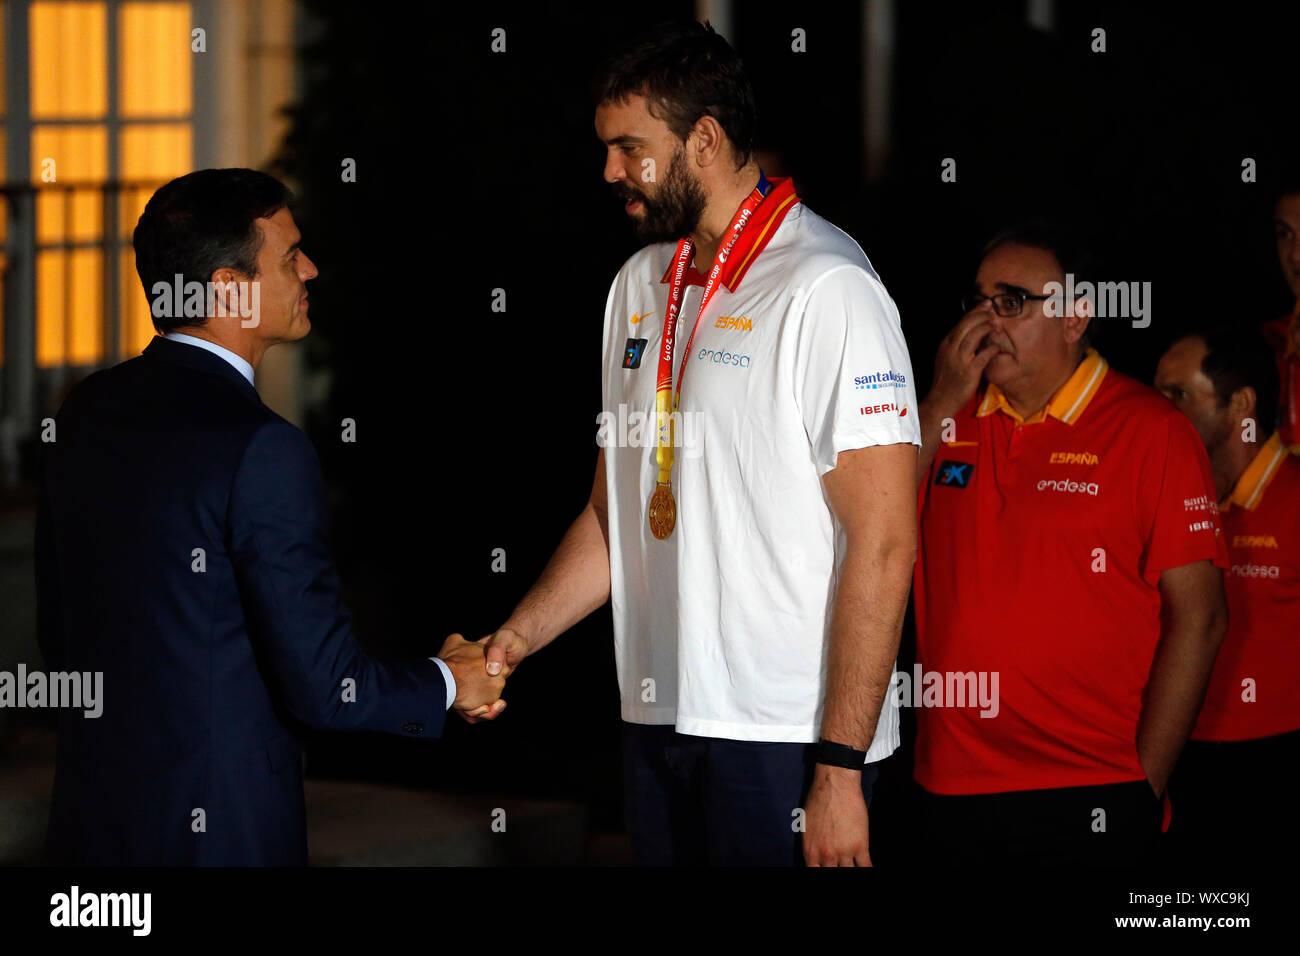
(1006, 304)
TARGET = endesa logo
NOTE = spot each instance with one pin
(719, 357)
(1077, 487)
(1256, 570)
(886, 379)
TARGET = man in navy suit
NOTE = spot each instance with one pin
(180, 551)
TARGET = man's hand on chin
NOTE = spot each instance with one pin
(835, 822)
(478, 694)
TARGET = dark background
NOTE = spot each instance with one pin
(477, 171)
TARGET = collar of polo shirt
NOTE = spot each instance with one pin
(1069, 401)
(752, 239)
(1249, 489)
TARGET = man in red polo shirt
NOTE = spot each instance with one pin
(1241, 761)
(1069, 543)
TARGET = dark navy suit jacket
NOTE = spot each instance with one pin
(180, 550)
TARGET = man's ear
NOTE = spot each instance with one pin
(224, 292)
(1243, 404)
(1075, 322)
(710, 140)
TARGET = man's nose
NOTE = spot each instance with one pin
(614, 170)
(309, 270)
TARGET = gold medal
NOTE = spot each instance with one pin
(663, 511)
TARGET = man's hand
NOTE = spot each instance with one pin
(478, 694)
(959, 363)
(506, 648)
(958, 367)
(835, 822)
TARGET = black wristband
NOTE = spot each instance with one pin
(840, 755)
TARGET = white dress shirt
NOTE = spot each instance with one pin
(238, 361)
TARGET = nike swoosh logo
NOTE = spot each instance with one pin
(637, 317)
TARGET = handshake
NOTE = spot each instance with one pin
(480, 670)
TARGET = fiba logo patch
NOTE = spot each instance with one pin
(632, 352)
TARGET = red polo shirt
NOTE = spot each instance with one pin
(1042, 544)
(1255, 689)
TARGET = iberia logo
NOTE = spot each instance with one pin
(637, 317)
(903, 413)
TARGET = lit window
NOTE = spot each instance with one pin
(99, 149)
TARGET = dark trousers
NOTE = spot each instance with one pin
(695, 801)
(1115, 824)
(1233, 804)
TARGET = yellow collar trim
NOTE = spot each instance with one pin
(1249, 489)
(1070, 400)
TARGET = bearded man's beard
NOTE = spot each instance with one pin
(676, 208)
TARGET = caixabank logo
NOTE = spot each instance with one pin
(954, 474)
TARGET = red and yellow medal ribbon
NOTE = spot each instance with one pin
(663, 509)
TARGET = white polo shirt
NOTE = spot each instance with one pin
(722, 629)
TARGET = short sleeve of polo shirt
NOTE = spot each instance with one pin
(1180, 512)
(853, 377)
